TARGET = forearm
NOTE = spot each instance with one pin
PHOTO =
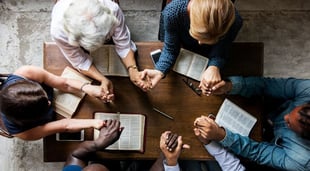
(226, 160)
(279, 88)
(171, 48)
(129, 60)
(74, 125)
(81, 155)
(94, 73)
(261, 152)
(158, 165)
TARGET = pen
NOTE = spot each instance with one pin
(164, 114)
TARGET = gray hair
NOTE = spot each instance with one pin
(87, 23)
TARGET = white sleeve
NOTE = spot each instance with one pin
(171, 168)
(226, 160)
(121, 36)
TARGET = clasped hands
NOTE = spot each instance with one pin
(211, 82)
(146, 79)
(206, 129)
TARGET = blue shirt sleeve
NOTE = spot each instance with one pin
(280, 88)
(72, 168)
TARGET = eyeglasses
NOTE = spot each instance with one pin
(192, 86)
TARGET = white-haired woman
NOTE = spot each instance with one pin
(81, 26)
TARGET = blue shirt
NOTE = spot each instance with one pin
(176, 24)
(48, 116)
(287, 150)
(72, 168)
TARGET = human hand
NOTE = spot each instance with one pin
(108, 134)
(173, 155)
(140, 79)
(207, 129)
(154, 75)
(98, 123)
(210, 78)
(223, 87)
(107, 89)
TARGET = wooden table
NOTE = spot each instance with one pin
(172, 96)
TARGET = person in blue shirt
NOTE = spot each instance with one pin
(207, 27)
(290, 147)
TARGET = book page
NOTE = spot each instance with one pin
(234, 118)
(66, 99)
(101, 59)
(198, 66)
(183, 62)
(116, 66)
(65, 103)
(132, 137)
(190, 64)
(108, 62)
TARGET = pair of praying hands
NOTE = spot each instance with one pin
(146, 79)
(171, 146)
(211, 82)
(206, 129)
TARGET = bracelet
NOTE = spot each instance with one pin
(84, 86)
(132, 66)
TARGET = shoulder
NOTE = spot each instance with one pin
(175, 9)
(57, 17)
(114, 7)
(32, 73)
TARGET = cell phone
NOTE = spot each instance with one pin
(70, 136)
(155, 55)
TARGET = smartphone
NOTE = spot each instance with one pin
(155, 55)
(70, 136)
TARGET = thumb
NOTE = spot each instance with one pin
(186, 146)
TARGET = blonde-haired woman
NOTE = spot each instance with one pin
(207, 27)
(81, 26)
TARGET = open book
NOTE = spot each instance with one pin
(108, 62)
(132, 137)
(66, 104)
(190, 64)
(235, 119)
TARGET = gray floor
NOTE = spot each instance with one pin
(283, 26)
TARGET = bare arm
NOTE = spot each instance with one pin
(63, 125)
(64, 84)
(135, 76)
(108, 135)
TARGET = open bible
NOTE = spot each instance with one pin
(66, 104)
(108, 62)
(235, 118)
(190, 64)
(132, 137)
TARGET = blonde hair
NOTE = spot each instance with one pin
(87, 23)
(210, 19)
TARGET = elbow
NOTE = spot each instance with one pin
(28, 137)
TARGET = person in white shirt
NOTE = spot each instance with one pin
(81, 26)
(171, 146)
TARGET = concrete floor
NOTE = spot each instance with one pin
(283, 26)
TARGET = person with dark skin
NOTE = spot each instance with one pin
(171, 146)
(85, 152)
